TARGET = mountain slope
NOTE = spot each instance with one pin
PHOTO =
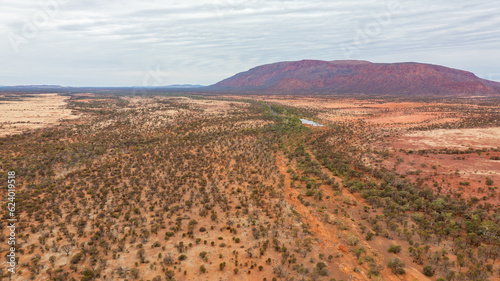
(311, 76)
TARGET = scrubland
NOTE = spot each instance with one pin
(213, 187)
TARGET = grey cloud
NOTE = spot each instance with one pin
(113, 43)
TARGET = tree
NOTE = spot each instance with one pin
(494, 252)
(66, 249)
(396, 265)
(168, 259)
(321, 269)
(141, 254)
(320, 265)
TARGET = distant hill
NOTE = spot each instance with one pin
(181, 86)
(358, 77)
(35, 87)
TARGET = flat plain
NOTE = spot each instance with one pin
(217, 187)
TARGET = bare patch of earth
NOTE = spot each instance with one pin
(33, 113)
(454, 138)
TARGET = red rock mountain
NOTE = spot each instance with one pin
(358, 77)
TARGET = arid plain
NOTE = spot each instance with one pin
(230, 187)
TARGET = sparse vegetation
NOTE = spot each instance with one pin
(175, 187)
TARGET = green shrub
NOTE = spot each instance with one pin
(369, 236)
(394, 249)
(428, 271)
(396, 265)
(76, 258)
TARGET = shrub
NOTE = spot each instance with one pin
(396, 265)
(374, 269)
(352, 240)
(394, 249)
(369, 236)
(76, 258)
(87, 275)
(366, 259)
(134, 273)
(399, 271)
(489, 181)
(320, 265)
(428, 271)
(323, 272)
(359, 251)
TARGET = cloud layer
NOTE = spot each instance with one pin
(146, 43)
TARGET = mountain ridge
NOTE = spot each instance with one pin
(358, 77)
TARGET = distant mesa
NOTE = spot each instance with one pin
(174, 86)
(65, 89)
(182, 86)
(39, 86)
(358, 77)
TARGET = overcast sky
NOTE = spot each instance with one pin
(150, 42)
